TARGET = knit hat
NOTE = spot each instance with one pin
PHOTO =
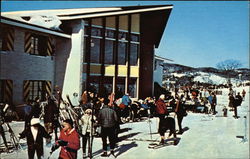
(88, 111)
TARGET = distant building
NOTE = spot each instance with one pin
(102, 50)
(158, 68)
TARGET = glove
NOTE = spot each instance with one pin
(54, 147)
(62, 143)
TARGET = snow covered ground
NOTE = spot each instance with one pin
(207, 136)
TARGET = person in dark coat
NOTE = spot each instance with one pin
(108, 120)
(214, 103)
(36, 110)
(180, 112)
(243, 94)
(237, 102)
(161, 111)
(34, 135)
(49, 114)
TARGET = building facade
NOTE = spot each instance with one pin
(158, 68)
(102, 50)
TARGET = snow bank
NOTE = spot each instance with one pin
(210, 78)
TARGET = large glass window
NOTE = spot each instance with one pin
(108, 85)
(123, 22)
(6, 39)
(6, 91)
(134, 48)
(95, 50)
(135, 37)
(122, 48)
(36, 44)
(132, 88)
(95, 31)
(97, 21)
(94, 84)
(110, 22)
(36, 89)
(110, 40)
(2, 35)
(135, 23)
(109, 50)
(110, 33)
(120, 87)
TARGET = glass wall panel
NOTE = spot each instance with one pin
(96, 31)
(120, 87)
(95, 50)
(123, 22)
(135, 37)
(132, 89)
(110, 22)
(108, 85)
(94, 84)
(110, 33)
(135, 23)
(122, 48)
(133, 54)
(123, 36)
(109, 46)
(97, 21)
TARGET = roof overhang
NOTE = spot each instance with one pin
(84, 13)
(112, 13)
(16, 23)
(162, 58)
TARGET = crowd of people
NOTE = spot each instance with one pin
(102, 116)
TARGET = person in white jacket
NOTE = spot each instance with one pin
(86, 126)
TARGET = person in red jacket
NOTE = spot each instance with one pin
(161, 111)
(68, 140)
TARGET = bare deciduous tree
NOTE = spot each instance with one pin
(229, 65)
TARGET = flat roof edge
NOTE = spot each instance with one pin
(114, 13)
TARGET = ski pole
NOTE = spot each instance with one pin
(149, 122)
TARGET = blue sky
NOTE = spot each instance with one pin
(198, 33)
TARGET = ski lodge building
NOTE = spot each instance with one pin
(102, 50)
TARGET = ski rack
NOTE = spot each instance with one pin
(13, 142)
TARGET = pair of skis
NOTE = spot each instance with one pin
(160, 145)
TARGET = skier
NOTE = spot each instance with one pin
(180, 112)
(86, 125)
(243, 94)
(34, 135)
(68, 140)
(107, 118)
(237, 102)
(161, 111)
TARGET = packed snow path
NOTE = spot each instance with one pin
(206, 136)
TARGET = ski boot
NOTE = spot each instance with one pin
(104, 154)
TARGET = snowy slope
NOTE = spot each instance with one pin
(207, 137)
